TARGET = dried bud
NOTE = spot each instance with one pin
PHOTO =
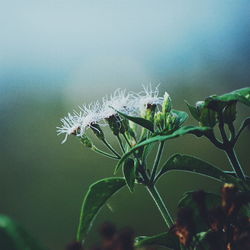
(217, 218)
(229, 192)
(185, 227)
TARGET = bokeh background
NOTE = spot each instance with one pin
(56, 55)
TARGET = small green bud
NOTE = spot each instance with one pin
(86, 141)
(97, 131)
(167, 103)
(159, 118)
(171, 119)
(229, 112)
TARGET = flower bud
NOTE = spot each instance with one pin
(159, 118)
(167, 103)
(171, 119)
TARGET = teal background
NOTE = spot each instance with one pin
(56, 55)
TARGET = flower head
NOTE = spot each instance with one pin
(77, 123)
(71, 125)
(118, 101)
(90, 116)
(147, 98)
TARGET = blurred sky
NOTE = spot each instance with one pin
(77, 46)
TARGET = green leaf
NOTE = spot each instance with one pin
(211, 201)
(181, 116)
(195, 165)
(194, 112)
(166, 239)
(14, 237)
(140, 121)
(129, 171)
(240, 95)
(97, 195)
(198, 131)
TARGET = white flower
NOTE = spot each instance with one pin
(70, 125)
(77, 123)
(119, 101)
(147, 97)
(90, 116)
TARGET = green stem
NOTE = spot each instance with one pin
(160, 204)
(232, 131)
(235, 163)
(157, 160)
(120, 143)
(105, 154)
(127, 140)
(111, 149)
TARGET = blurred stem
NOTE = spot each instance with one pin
(120, 143)
(105, 154)
(157, 160)
(235, 163)
(160, 204)
(111, 148)
(228, 147)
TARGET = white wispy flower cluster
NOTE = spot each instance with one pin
(148, 96)
(97, 113)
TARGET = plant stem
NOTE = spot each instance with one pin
(120, 143)
(157, 160)
(127, 140)
(160, 204)
(104, 153)
(235, 163)
(111, 149)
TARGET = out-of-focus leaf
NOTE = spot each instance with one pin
(195, 165)
(211, 201)
(140, 121)
(198, 131)
(97, 195)
(166, 239)
(14, 237)
(129, 171)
